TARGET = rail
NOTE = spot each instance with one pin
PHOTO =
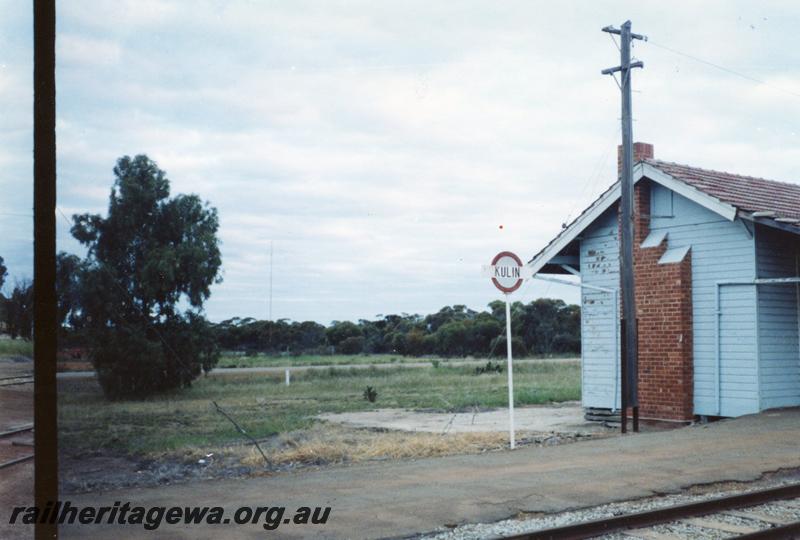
(641, 520)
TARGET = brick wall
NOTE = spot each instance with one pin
(664, 309)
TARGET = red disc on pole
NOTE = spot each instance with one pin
(507, 271)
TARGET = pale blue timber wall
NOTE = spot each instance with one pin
(720, 250)
(779, 349)
(599, 266)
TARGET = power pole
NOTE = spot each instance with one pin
(629, 366)
(270, 281)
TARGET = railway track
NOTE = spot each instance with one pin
(13, 381)
(16, 461)
(764, 514)
(16, 431)
(15, 447)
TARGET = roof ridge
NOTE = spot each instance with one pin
(743, 176)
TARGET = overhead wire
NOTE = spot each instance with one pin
(595, 172)
(723, 68)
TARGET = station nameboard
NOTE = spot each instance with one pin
(507, 271)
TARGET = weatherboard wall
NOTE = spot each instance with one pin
(599, 266)
(779, 347)
(721, 250)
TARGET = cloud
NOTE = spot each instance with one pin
(74, 50)
(379, 147)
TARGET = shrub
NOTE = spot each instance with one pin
(370, 394)
(351, 345)
(490, 367)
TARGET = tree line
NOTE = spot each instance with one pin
(542, 327)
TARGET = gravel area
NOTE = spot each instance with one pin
(778, 510)
(523, 524)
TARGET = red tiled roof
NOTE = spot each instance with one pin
(747, 193)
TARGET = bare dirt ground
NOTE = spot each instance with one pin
(326, 444)
(404, 497)
(16, 481)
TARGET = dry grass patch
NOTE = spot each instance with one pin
(326, 444)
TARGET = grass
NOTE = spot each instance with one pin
(336, 445)
(16, 347)
(229, 360)
(263, 405)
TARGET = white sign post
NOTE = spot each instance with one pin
(507, 273)
(511, 435)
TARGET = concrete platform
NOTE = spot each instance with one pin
(563, 418)
(391, 499)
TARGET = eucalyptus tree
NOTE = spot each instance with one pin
(150, 265)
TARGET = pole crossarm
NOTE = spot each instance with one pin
(612, 70)
(611, 30)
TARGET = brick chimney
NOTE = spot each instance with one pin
(640, 151)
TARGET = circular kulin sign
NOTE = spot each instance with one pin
(506, 271)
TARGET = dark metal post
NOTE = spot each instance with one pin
(44, 273)
(623, 401)
(629, 338)
(636, 356)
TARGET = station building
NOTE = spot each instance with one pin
(716, 265)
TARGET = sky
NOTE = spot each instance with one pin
(384, 151)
